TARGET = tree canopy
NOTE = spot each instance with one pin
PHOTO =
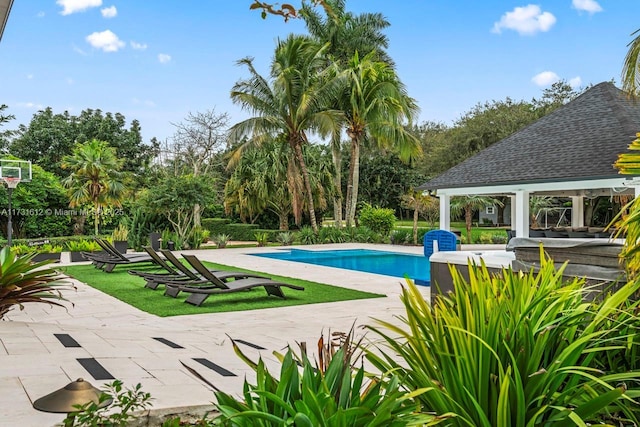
(50, 136)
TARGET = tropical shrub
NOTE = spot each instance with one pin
(178, 243)
(401, 236)
(22, 281)
(331, 392)
(307, 236)
(22, 249)
(486, 238)
(379, 220)
(498, 239)
(516, 349)
(48, 248)
(241, 232)
(168, 236)
(197, 237)
(332, 235)
(221, 240)
(286, 238)
(83, 245)
(140, 225)
(121, 412)
(363, 234)
(262, 238)
(120, 233)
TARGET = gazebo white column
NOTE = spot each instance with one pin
(512, 203)
(445, 211)
(521, 217)
(577, 211)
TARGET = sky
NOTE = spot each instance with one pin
(158, 61)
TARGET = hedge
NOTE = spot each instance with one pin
(243, 232)
(61, 240)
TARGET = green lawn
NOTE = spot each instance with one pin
(130, 289)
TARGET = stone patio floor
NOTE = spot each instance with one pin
(123, 339)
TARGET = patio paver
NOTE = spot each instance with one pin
(33, 362)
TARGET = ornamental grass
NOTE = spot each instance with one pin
(518, 349)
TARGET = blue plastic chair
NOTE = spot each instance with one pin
(447, 241)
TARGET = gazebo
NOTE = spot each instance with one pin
(567, 153)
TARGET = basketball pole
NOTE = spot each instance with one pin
(11, 184)
(9, 225)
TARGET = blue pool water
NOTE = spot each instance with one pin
(416, 267)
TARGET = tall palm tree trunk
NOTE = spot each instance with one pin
(468, 220)
(96, 219)
(297, 149)
(284, 221)
(336, 154)
(416, 217)
(352, 186)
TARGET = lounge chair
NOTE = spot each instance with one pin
(193, 278)
(112, 257)
(153, 279)
(218, 286)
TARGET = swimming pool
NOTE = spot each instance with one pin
(395, 264)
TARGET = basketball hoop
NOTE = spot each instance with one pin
(11, 182)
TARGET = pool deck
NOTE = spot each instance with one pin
(122, 339)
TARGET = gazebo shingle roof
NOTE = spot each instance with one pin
(5, 8)
(579, 141)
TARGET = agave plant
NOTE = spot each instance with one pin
(517, 349)
(286, 238)
(221, 240)
(330, 392)
(22, 281)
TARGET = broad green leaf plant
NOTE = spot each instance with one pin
(23, 281)
(517, 349)
(629, 216)
(331, 392)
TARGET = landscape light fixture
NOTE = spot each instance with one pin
(65, 400)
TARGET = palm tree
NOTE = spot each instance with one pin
(266, 178)
(292, 103)
(424, 204)
(631, 67)
(377, 110)
(346, 34)
(470, 204)
(95, 177)
(537, 204)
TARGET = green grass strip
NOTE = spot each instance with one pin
(130, 289)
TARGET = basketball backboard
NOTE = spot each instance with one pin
(17, 169)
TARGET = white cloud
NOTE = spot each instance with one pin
(30, 105)
(109, 12)
(575, 82)
(145, 102)
(40, 14)
(29, 76)
(545, 78)
(70, 81)
(164, 58)
(73, 6)
(138, 46)
(526, 20)
(105, 40)
(590, 6)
